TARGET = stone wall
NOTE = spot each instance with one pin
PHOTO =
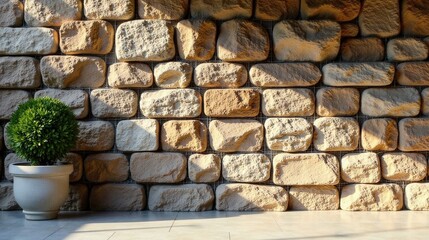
(231, 105)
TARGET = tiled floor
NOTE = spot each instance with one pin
(219, 225)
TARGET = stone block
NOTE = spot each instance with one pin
(404, 166)
(250, 168)
(360, 168)
(19, 72)
(415, 17)
(106, 167)
(349, 30)
(241, 103)
(417, 196)
(204, 168)
(51, 13)
(406, 49)
(77, 162)
(211, 75)
(109, 10)
(28, 41)
(288, 102)
(137, 135)
(413, 134)
(184, 135)
(380, 18)
(10, 100)
(221, 9)
(129, 75)
(9, 159)
(11, 13)
(380, 134)
(76, 100)
(336, 134)
(95, 136)
(314, 198)
(113, 103)
(173, 74)
(288, 134)
(362, 50)
(77, 199)
(7, 199)
(425, 101)
(371, 197)
(333, 102)
(274, 10)
(340, 11)
(358, 74)
(413, 73)
(162, 9)
(196, 39)
(117, 197)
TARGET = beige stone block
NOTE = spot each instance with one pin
(413, 134)
(425, 101)
(406, 49)
(229, 75)
(181, 198)
(318, 41)
(95, 136)
(360, 168)
(174, 103)
(196, 39)
(250, 197)
(162, 9)
(221, 9)
(173, 74)
(9, 159)
(76, 100)
(250, 168)
(394, 102)
(417, 196)
(10, 101)
(39, 13)
(415, 17)
(284, 74)
(404, 166)
(288, 102)
(333, 102)
(19, 72)
(113, 103)
(380, 134)
(340, 11)
(106, 167)
(362, 50)
(117, 197)
(129, 75)
(235, 44)
(162, 167)
(145, 40)
(28, 41)
(314, 198)
(413, 73)
(358, 74)
(11, 13)
(7, 199)
(380, 18)
(236, 135)
(77, 162)
(336, 134)
(204, 168)
(109, 10)
(137, 135)
(349, 30)
(184, 135)
(274, 10)
(77, 199)
(73, 71)
(288, 134)
(371, 197)
(241, 102)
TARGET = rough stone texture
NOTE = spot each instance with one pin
(320, 169)
(9, 159)
(73, 71)
(129, 75)
(236, 135)
(196, 39)
(10, 100)
(340, 11)
(28, 41)
(249, 197)
(106, 167)
(95, 136)
(371, 197)
(415, 17)
(288, 134)
(162, 9)
(51, 13)
(413, 73)
(221, 9)
(109, 10)
(7, 200)
(76, 100)
(358, 74)
(11, 13)
(251, 168)
(77, 162)
(161, 167)
(137, 135)
(86, 37)
(318, 40)
(183, 103)
(274, 10)
(404, 166)
(117, 197)
(184, 135)
(204, 168)
(1, 138)
(235, 44)
(406, 49)
(349, 30)
(210, 75)
(314, 198)
(362, 50)
(288, 102)
(360, 168)
(241, 102)
(336, 134)
(19, 72)
(145, 40)
(284, 74)
(333, 102)
(395, 102)
(414, 134)
(183, 198)
(417, 196)
(425, 99)
(113, 103)
(173, 74)
(380, 134)
(77, 199)
(380, 18)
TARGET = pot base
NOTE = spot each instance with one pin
(38, 216)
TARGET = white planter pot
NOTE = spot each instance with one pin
(40, 190)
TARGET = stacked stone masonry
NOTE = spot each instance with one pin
(194, 105)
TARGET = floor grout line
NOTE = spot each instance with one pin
(54, 232)
(111, 236)
(177, 214)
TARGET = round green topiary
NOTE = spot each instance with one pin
(42, 131)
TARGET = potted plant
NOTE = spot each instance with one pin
(41, 131)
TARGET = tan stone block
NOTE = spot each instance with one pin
(162, 167)
(241, 102)
(358, 74)
(109, 10)
(162, 9)
(274, 10)
(251, 168)
(173, 74)
(406, 49)
(340, 11)
(229, 75)
(204, 168)
(145, 40)
(349, 30)
(106, 167)
(362, 50)
(10, 101)
(371, 197)
(95, 136)
(73, 71)
(318, 41)
(7, 199)
(137, 135)
(380, 18)
(19, 72)
(221, 9)
(77, 199)
(182, 198)
(184, 135)
(415, 17)
(235, 44)
(113, 103)
(380, 134)
(288, 102)
(336, 134)
(11, 13)
(413, 134)
(236, 135)
(77, 162)
(333, 102)
(129, 75)
(413, 73)
(320, 169)
(28, 41)
(360, 168)
(425, 101)
(196, 39)
(417, 196)
(288, 134)
(174, 103)
(404, 166)
(250, 197)
(117, 197)
(9, 159)
(314, 198)
(51, 13)
(394, 102)
(76, 100)
(284, 74)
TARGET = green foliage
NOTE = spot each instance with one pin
(42, 131)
